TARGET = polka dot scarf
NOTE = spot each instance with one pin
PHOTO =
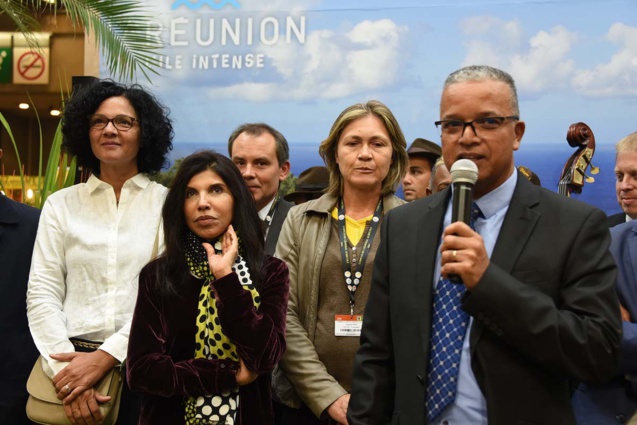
(210, 341)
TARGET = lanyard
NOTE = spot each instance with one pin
(351, 282)
(268, 218)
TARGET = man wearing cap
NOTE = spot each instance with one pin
(262, 155)
(422, 157)
(311, 184)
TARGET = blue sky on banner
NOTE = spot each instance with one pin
(296, 64)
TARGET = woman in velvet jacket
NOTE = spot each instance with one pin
(209, 324)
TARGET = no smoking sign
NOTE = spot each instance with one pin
(30, 67)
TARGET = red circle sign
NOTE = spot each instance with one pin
(31, 66)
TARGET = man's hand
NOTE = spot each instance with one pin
(625, 314)
(82, 373)
(463, 253)
(244, 375)
(338, 409)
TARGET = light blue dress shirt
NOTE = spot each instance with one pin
(470, 407)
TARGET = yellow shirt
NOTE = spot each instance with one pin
(353, 228)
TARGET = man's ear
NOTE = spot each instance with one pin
(284, 171)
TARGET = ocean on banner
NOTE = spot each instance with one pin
(545, 160)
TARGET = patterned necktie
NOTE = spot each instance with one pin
(449, 324)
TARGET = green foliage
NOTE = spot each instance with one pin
(59, 172)
(7, 128)
(287, 185)
(120, 28)
(167, 177)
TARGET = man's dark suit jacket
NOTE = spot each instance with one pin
(18, 226)
(615, 219)
(276, 225)
(616, 401)
(545, 311)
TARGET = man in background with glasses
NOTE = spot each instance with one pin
(535, 308)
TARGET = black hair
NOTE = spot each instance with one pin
(246, 222)
(156, 134)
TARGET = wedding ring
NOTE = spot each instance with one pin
(75, 410)
(453, 254)
(67, 389)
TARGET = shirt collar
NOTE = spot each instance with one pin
(263, 213)
(140, 180)
(498, 198)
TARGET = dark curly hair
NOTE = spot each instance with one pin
(156, 127)
(174, 269)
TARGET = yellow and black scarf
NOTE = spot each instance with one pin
(210, 341)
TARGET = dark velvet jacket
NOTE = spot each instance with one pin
(160, 362)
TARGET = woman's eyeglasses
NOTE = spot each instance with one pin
(121, 122)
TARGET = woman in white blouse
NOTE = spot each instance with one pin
(94, 238)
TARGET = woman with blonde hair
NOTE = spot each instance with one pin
(329, 245)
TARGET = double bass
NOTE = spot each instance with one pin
(573, 177)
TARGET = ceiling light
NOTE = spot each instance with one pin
(23, 105)
(55, 112)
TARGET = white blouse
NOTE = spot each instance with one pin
(86, 261)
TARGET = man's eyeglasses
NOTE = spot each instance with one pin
(121, 122)
(455, 128)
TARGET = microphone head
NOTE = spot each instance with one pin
(464, 171)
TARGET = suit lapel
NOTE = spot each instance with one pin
(517, 227)
(275, 227)
(629, 294)
(427, 243)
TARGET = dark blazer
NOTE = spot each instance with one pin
(544, 312)
(161, 346)
(276, 225)
(616, 401)
(18, 227)
(615, 219)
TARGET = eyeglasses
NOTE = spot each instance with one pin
(121, 122)
(455, 128)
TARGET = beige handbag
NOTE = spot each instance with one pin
(44, 407)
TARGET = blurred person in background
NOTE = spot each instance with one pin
(625, 180)
(311, 184)
(18, 226)
(423, 154)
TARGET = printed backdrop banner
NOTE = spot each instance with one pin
(296, 64)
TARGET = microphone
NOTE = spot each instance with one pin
(464, 174)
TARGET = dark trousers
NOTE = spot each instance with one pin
(129, 406)
(284, 415)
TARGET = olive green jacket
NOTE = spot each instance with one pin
(302, 244)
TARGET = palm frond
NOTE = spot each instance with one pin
(121, 29)
(7, 127)
(20, 13)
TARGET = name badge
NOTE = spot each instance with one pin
(348, 325)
